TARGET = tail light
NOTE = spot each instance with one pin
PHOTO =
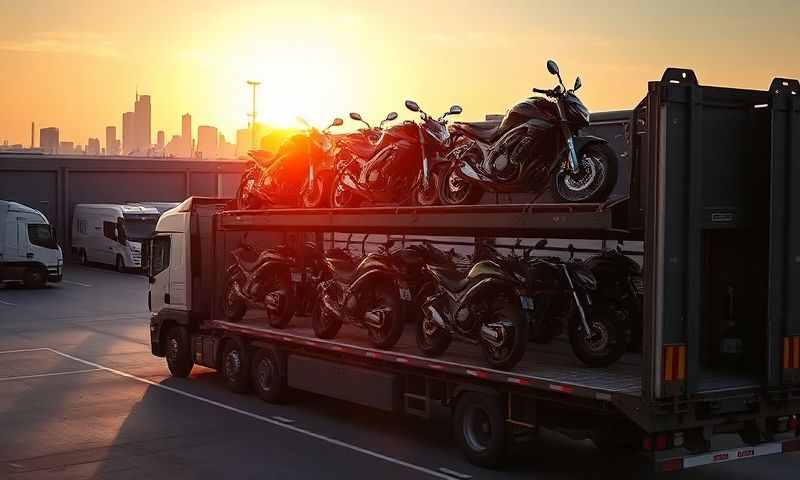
(791, 352)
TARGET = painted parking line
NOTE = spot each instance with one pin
(80, 284)
(453, 473)
(3, 302)
(53, 374)
(25, 350)
(333, 441)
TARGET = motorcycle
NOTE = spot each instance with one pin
(536, 143)
(483, 307)
(620, 288)
(261, 280)
(397, 167)
(278, 181)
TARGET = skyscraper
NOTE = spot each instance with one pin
(160, 140)
(128, 129)
(207, 138)
(141, 110)
(186, 135)
(48, 139)
(112, 144)
(93, 146)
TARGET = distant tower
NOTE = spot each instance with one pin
(32, 129)
(186, 135)
(142, 123)
(128, 132)
(254, 84)
(112, 145)
(48, 139)
(160, 139)
(207, 142)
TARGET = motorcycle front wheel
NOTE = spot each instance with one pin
(427, 196)
(432, 340)
(515, 341)
(325, 324)
(317, 195)
(456, 190)
(384, 300)
(341, 195)
(234, 306)
(281, 286)
(593, 182)
(605, 344)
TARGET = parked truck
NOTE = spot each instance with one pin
(710, 197)
(29, 251)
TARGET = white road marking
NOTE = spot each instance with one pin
(453, 473)
(262, 418)
(282, 419)
(40, 375)
(76, 283)
(8, 303)
(23, 350)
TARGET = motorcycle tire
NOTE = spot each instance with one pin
(283, 281)
(342, 197)
(385, 295)
(427, 197)
(467, 193)
(604, 347)
(234, 306)
(325, 325)
(566, 189)
(514, 349)
(248, 203)
(317, 195)
(435, 343)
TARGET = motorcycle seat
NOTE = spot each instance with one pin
(484, 131)
(361, 148)
(451, 280)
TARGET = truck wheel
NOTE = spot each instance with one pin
(119, 264)
(479, 426)
(34, 278)
(325, 324)
(268, 376)
(178, 352)
(235, 367)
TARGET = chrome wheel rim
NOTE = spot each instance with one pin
(233, 364)
(477, 429)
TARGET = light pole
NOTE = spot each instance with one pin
(254, 84)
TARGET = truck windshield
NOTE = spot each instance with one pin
(139, 227)
(42, 235)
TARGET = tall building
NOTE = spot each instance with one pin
(112, 144)
(186, 135)
(225, 149)
(160, 140)
(128, 135)
(48, 139)
(141, 111)
(93, 146)
(66, 147)
(207, 142)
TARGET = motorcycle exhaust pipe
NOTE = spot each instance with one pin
(491, 335)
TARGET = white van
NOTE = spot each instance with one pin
(29, 252)
(112, 233)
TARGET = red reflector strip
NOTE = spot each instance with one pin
(401, 359)
(734, 454)
(372, 355)
(477, 373)
(561, 388)
(791, 352)
(518, 381)
(671, 465)
(674, 362)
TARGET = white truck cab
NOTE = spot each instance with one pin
(29, 252)
(112, 234)
(169, 260)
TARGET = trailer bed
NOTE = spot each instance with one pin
(552, 367)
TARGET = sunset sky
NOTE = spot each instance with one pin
(76, 64)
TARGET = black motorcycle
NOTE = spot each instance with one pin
(366, 294)
(620, 289)
(535, 144)
(261, 280)
(397, 168)
(482, 307)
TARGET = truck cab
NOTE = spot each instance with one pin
(29, 252)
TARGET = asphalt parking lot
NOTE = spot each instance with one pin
(82, 397)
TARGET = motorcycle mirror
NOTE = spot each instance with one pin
(355, 116)
(577, 84)
(337, 122)
(552, 67)
(390, 117)
(455, 110)
(412, 105)
(540, 244)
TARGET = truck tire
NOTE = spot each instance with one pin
(119, 264)
(178, 352)
(34, 278)
(234, 366)
(268, 375)
(479, 426)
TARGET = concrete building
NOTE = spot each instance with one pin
(207, 142)
(48, 139)
(66, 148)
(160, 140)
(128, 133)
(225, 149)
(112, 144)
(141, 111)
(93, 146)
(186, 136)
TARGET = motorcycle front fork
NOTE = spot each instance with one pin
(425, 172)
(573, 155)
(581, 312)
